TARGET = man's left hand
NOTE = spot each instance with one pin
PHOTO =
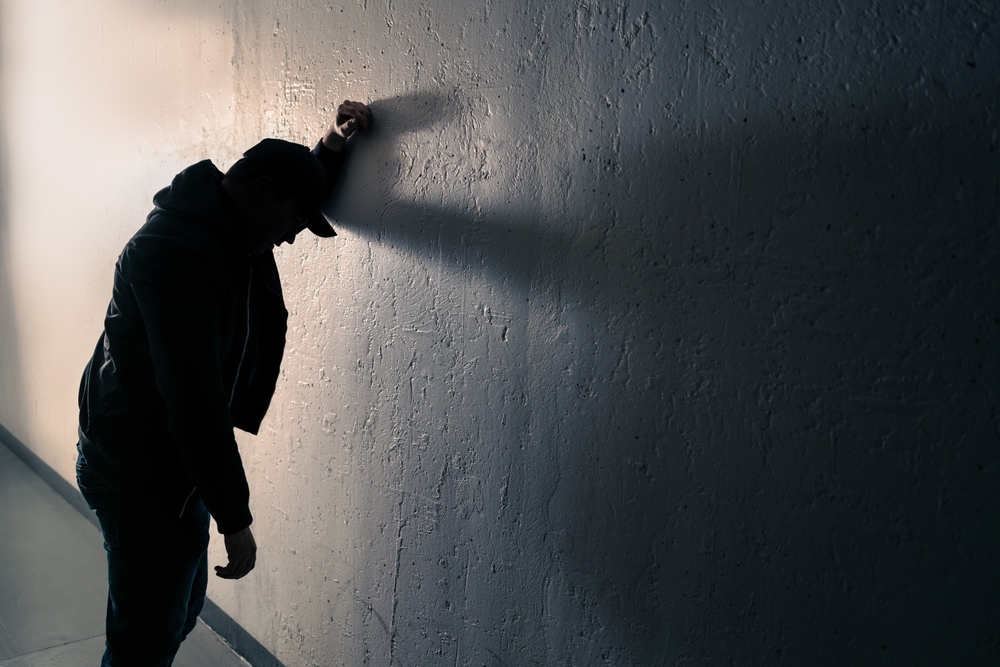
(351, 117)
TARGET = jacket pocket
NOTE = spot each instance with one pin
(101, 498)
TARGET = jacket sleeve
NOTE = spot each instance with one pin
(269, 346)
(179, 293)
(331, 162)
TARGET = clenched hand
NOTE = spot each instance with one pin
(351, 117)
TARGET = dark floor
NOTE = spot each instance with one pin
(53, 582)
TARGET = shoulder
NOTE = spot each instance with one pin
(169, 248)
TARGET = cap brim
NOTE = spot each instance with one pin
(319, 226)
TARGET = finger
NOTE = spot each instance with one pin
(347, 108)
(363, 108)
(344, 128)
(364, 122)
(245, 568)
(241, 566)
(227, 571)
(248, 562)
(234, 570)
(364, 116)
(361, 113)
(354, 105)
(346, 125)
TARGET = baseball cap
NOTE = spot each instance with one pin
(295, 169)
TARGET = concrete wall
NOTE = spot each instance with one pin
(654, 334)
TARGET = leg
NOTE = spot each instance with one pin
(200, 583)
(157, 571)
(155, 580)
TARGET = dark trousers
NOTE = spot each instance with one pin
(157, 546)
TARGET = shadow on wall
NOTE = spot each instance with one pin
(502, 246)
(11, 373)
(770, 363)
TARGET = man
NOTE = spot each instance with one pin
(191, 347)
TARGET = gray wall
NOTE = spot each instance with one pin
(654, 334)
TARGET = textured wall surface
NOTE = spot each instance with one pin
(656, 333)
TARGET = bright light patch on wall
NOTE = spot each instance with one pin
(100, 109)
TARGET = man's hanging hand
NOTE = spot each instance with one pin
(242, 550)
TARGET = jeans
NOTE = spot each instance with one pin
(157, 546)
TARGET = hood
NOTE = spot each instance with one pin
(197, 193)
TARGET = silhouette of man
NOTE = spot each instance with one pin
(191, 347)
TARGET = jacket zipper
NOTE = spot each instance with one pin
(184, 506)
(246, 341)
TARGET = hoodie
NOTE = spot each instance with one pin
(191, 347)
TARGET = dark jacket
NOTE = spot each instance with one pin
(191, 347)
